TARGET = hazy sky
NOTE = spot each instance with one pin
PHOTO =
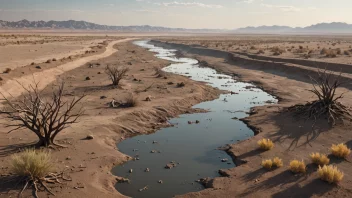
(227, 14)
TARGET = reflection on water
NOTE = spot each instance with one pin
(192, 148)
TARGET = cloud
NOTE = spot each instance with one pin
(189, 4)
(283, 7)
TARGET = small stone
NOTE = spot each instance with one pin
(90, 137)
(87, 78)
(197, 121)
(149, 98)
(68, 158)
(160, 181)
(131, 170)
(147, 170)
(153, 151)
(224, 160)
(189, 122)
(154, 142)
(38, 67)
(102, 97)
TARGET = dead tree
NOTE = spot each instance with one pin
(327, 104)
(116, 73)
(44, 117)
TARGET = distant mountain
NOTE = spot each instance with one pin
(83, 25)
(264, 29)
(335, 27)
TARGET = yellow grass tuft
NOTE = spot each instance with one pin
(319, 159)
(267, 164)
(265, 144)
(297, 166)
(330, 174)
(340, 150)
(277, 162)
(32, 163)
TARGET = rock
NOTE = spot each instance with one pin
(170, 165)
(38, 67)
(147, 170)
(189, 122)
(142, 189)
(68, 158)
(235, 118)
(160, 181)
(131, 170)
(153, 151)
(224, 160)
(90, 137)
(197, 121)
(149, 98)
(99, 72)
(154, 142)
(87, 78)
(102, 97)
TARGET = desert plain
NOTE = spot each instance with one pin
(279, 64)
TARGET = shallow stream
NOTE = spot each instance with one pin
(191, 148)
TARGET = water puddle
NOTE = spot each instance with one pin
(191, 148)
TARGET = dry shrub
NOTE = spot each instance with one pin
(330, 174)
(297, 166)
(116, 73)
(253, 48)
(267, 164)
(181, 84)
(159, 72)
(265, 144)
(324, 51)
(346, 53)
(330, 53)
(32, 164)
(340, 150)
(319, 159)
(338, 51)
(277, 162)
(277, 51)
(260, 52)
(327, 104)
(7, 70)
(131, 101)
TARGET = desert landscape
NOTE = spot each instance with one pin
(186, 107)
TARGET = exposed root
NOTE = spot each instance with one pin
(324, 87)
(314, 110)
(39, 185)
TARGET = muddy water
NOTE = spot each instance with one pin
(191, 147)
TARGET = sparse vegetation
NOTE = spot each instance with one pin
(274, 163)
(265, 144)
(277, 162)
(297, 166)
(347, 53)
(35, 167)
(116, 73)
(46, 117)
(131, 101)
(260, 52)
(319, 159)
(32, 164)
(340, 150)
(330, 174)
(267, 164)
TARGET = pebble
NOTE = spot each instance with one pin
(90, 137)
(147, 170)
(131, 170)
(224, 160)
(160, 181)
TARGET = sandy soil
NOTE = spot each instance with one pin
(89, 161)
(294, 138)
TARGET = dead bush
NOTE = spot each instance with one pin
(46, 117)
(116, 73)
(277, 50)
(327, 104)
(181, 84)
(131, 101)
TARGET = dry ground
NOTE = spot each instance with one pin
(88, 162)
